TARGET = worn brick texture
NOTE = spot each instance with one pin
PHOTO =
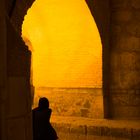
(78, 102)
(125, 58)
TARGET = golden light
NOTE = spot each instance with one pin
(67, 46)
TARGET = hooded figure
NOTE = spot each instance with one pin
(42, 128)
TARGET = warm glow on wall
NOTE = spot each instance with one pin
(66, 42)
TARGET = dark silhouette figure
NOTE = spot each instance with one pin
(42, 128)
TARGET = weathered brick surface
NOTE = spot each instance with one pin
(136, 134)
(18, 98)
(81, 129)
(84, 102)
(135, 4)
(18, 55)
(126, 100)
(16, 128)
(104, 129)
(125, 56)
(127, 43)
(133, 29)
(94, 130)
(122, 16)
(19, 10)
(119, 4)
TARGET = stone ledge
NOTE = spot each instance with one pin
(98, 127)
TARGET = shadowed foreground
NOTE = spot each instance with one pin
(65, 136)
(78, 128)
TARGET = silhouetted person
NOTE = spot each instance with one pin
(42, 128)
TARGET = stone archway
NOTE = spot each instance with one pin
(18, 121)
(105, 20)
(123, 80)
(16, 18)
(65, 96)
(101, 14)
(102, 22)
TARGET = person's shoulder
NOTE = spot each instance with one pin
(47, 111)
(35, 109)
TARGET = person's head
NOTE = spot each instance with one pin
(43, 103)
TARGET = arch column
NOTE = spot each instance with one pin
(124, 60)
(100, 10)
(18, 103)
(15, 108)
(3, 76)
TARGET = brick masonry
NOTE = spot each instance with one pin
(18, 102)
(79, 102)
(91, 129)
(124, 59)
(124, 70)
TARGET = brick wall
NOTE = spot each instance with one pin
(125, 58)
(77, 102)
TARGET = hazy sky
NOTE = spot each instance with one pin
(67, 50)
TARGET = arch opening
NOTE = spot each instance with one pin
(67, 49)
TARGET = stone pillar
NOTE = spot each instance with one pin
(15, 108)
(18, 13)
(18, 105)
(100, 11)
(125, 59)
(3, 76)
